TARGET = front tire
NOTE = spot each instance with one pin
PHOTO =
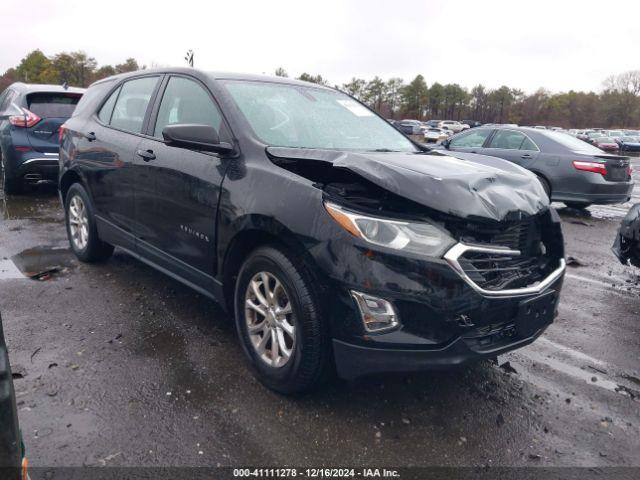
(81, 227)
(279, 322)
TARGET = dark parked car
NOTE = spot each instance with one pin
(330, 236)
(627, 244)
(409, 127)
(570, 170)
(608, 144)
(12, 461)
(471, 123)
(30, 116)
(629, 144)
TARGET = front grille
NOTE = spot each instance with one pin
(532, 237)
(499, 272)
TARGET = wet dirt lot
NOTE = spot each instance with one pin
(116, 364)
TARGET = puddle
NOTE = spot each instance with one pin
(38, 263)
(42, 206)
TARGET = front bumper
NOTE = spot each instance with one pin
(426, 342)
(353, 361)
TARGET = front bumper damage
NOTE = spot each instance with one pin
(496, 290)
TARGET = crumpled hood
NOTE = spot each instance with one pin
(460, 184)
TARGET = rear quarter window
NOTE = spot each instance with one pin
(52, 105)
(91, 98)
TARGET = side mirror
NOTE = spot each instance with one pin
(195, 137)
(446, 143)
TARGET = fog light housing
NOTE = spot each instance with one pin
(377, 313)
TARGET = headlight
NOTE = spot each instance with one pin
(415, 237)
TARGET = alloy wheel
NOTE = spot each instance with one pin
(78, 223)
(270, 319)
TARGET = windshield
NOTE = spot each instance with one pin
(307, 117)
(572, 143)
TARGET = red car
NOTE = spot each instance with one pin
(605, 143)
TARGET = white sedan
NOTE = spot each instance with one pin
(436, 135)
(453, 125)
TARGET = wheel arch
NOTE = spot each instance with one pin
(66, 180)
(544, 177)
(258, 232)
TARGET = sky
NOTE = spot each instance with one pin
(558, 45)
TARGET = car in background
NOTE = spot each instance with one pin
(608, 144)
(627, 243)
(471, 123)
(629, 144)
(436, 135)
(584, 135)
(453, 125)
(30, 119)
(432, 123)
(592, 135)
(570, 170)
(13, 463)
(614, 133)
(631, 133)
(409, 127)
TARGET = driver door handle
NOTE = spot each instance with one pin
(146, 155)
(526, 156)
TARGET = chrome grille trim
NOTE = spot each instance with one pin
(460, 249)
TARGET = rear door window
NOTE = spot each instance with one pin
(472, 139)
(53, 105)
(512, 140)
(131, 106)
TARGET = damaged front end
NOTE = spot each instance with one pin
(627, 244)
(462, 255)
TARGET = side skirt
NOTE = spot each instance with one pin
(170, 266)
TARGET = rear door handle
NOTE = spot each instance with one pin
(525, 156)
(146, 155)
(90, 136)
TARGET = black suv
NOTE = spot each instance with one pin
(332, 237)
(30, 119)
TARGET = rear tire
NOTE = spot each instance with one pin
(10, 185)
(81, 227)
(281, 287)
(576, 205)
(545, 185)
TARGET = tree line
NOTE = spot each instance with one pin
(75, 69)
(617, 105)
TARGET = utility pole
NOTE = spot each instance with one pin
(189, 57)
